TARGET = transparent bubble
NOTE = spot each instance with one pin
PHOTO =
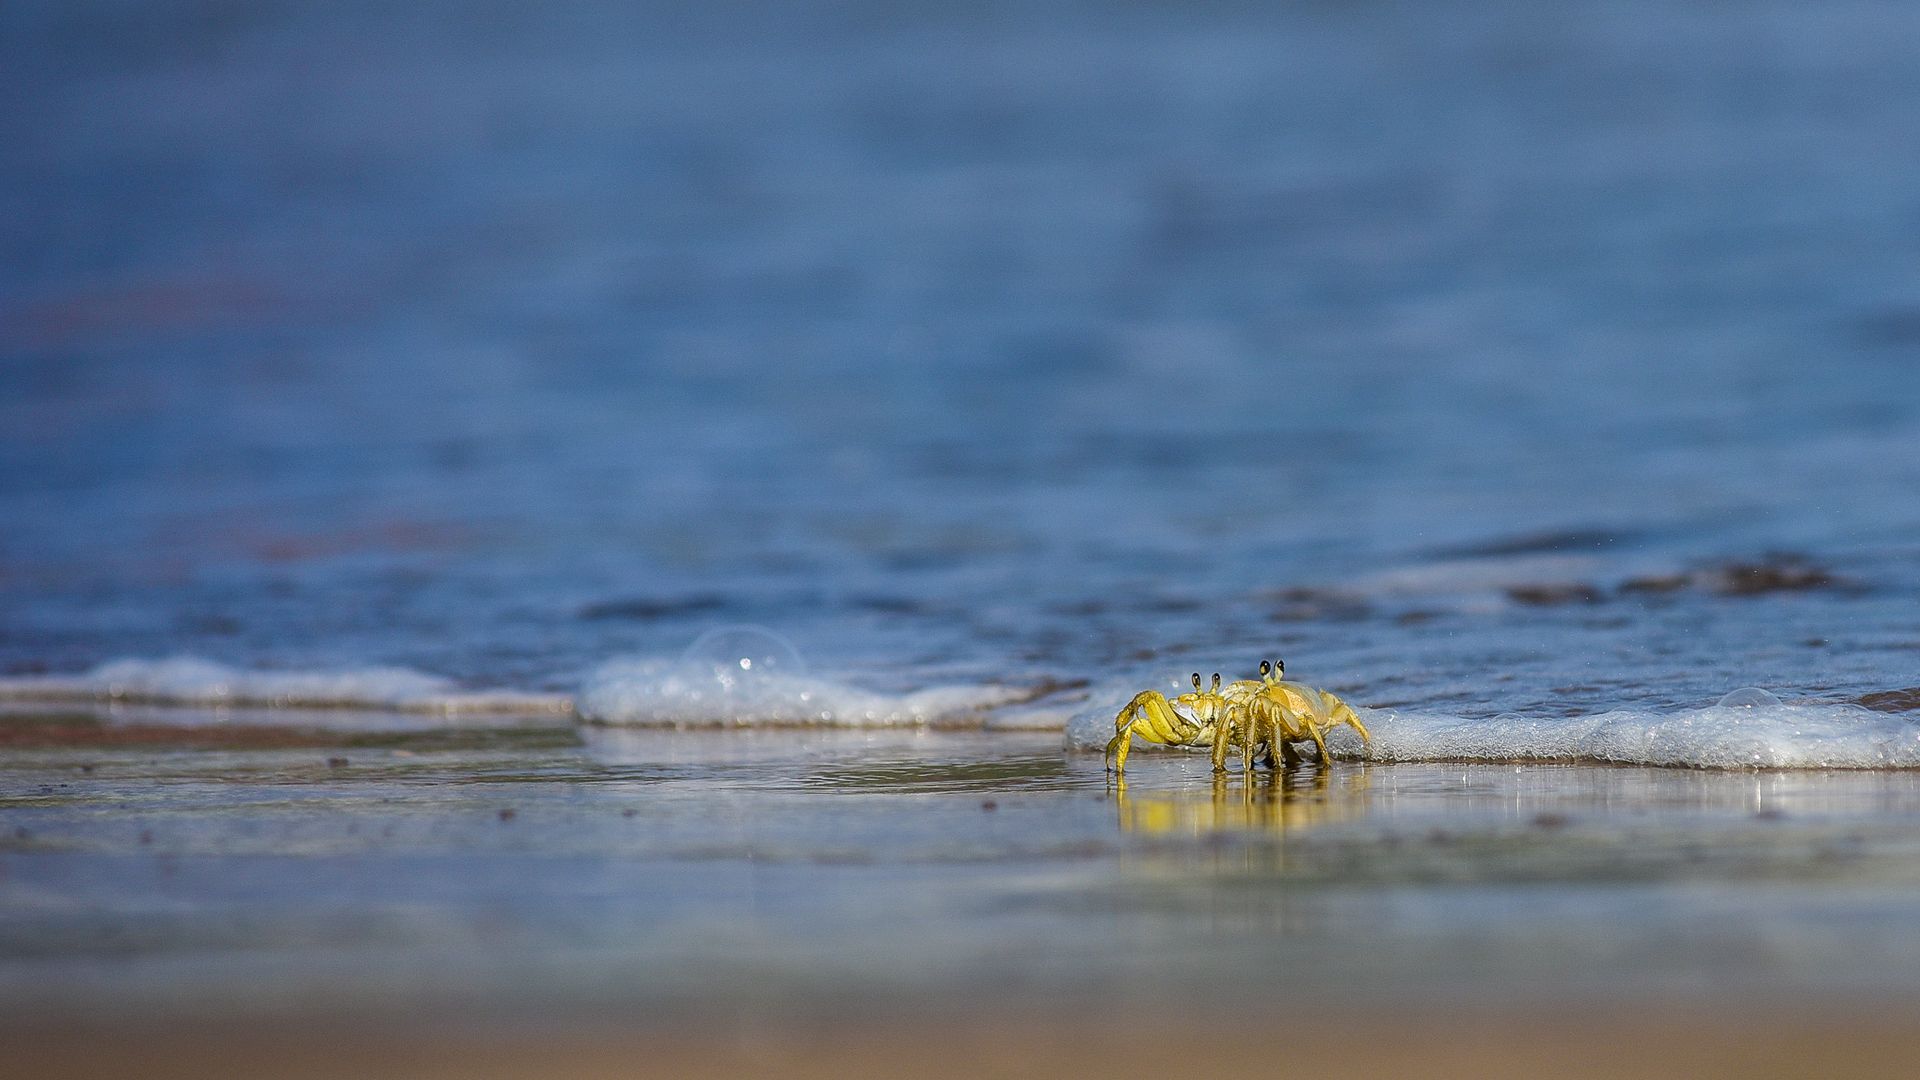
(744, 650)
(1749, 697)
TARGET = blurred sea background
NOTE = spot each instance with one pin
(1495, 363)
(1003, 343)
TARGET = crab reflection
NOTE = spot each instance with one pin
(1280, 800)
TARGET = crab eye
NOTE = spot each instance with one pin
(1196, 680)
(1216, 680)
(1279, 667)
(1265, 667)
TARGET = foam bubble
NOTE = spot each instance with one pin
(188, 680)
(746, 647)
(701, 692)
(1749, 697)
(1748, 729)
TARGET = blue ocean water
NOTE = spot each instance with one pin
(1479, 358)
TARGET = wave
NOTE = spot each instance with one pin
(660, 692)
(187, 680)
(1747, 729)
(638, 691)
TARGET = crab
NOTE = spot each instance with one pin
(1265, 714)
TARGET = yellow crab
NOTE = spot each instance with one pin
(1265, 714)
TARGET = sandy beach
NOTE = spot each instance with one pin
(1607, 1044)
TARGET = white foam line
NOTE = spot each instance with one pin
(1749, 729)
(1775, 736)
(690, 693)
(1753, 730)
(193, 681)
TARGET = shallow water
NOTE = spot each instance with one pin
(550, 872)
(417, 389)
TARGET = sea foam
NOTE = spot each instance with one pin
(187, 680)
(688, 691)
(657, 691)
(1747, 729)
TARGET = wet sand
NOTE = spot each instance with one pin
(1609, 1043)
(183, 894)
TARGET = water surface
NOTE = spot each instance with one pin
(390, 400)
(544, 872)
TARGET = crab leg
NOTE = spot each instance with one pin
(1320, 741)
(1306, 714)
(1284, 728)
(1343, 714)
(1222, 733)
(1149, 715)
